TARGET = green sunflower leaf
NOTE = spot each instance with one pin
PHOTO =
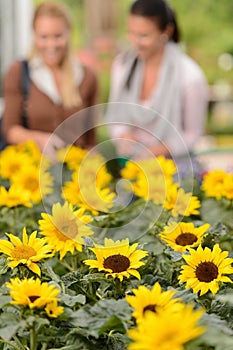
(105, 315)
(71, 300)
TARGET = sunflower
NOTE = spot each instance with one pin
(150, 188)
(66, 228)
(118, 259)
(181, 236)
(90, 196)
(181, 202)
(12, 161)
(53, 310)
(206, 269)
(95, 199)
(168, 166)
(131, 170)
(218, 184)
(27, 252)
(93, 171)
(34, 294)
(154, 300)
(212, 183)
(31, 149)
(35, 181)
(166, 330)
(227, 190)
(71, 155)
(71, 190)
(159, 166)
(15, 196)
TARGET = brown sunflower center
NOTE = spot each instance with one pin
(32, 184)
(70, 229)
(150, 307)
(117, 263)
(186, 239)
(14, 168)
(60, 236)
(206, 271)
(23, 252)
(67, 229)
(50, 312)
(32, 298)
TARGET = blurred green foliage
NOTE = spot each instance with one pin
(206, 28)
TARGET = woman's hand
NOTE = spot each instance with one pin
(125, 144)
(49, 143)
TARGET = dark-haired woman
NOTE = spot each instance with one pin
(159, 95)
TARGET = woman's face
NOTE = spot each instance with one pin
(145, 36)
(51, 39)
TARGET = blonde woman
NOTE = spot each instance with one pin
(59, 85)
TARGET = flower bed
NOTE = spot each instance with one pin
(87, 261)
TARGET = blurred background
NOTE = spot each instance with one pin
(100, 32)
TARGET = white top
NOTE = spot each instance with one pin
(191, 112)
(42, 77)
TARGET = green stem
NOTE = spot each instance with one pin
(118, 288)
(23, 272)
(90, 296)
(206, 301)
(12, 219)
(18, 342)
(33, 337)
(103, 233)
(74, 262)
(110, 335)
(159, 225)
(66, 265)
(15, 218)
(9, 343)
(63, 289)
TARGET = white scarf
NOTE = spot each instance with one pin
(162, 116)
(42, 77)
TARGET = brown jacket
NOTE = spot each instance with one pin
(42, 113)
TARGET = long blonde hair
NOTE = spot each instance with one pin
(69, 93)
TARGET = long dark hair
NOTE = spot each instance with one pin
(159, 10)
(162, 13)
